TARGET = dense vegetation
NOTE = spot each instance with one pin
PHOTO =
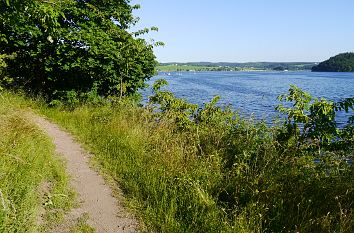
(183, 167)
(34, 194)
(69, 48)
(229, 66)
(343, 62)
(191, 169)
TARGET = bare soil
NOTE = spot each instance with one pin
(105, 213)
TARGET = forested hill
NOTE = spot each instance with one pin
(343, 62)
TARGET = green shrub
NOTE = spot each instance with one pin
(70, 45)
(190, 169)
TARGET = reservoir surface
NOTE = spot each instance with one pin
(255, 93)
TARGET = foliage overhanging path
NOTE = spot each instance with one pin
(105, 213)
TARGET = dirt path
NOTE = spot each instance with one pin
(105, 213)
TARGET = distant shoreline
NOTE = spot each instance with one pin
(191, 71)
(225, 66)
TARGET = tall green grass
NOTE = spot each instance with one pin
(213, 171)
(33, 184)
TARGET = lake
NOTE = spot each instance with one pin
(255, 93)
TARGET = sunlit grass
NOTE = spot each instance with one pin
(215, 178)
(33, 184)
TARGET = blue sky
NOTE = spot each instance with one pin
(249, 30)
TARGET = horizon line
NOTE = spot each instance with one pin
(241, 62)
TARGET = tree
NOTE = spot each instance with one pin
(74, 45)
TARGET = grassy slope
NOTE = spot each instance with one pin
(32, 179)
(181, 183)
(149, 163)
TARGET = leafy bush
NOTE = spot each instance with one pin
(205, 169)
(70, 45)
(269, 173)
(312, 122)
(4, 79)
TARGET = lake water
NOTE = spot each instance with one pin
(255, 93)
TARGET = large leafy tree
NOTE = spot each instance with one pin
(74, 45)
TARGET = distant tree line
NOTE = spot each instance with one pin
(343, 62)
(234, 66)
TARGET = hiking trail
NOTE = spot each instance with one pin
(105, 213)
